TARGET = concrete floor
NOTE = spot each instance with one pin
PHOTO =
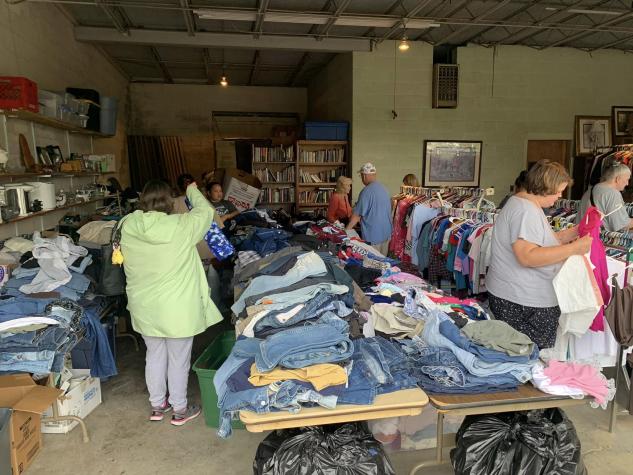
(123, 441)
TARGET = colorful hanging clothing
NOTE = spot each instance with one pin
(590, 225)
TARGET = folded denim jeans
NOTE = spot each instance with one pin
(305, 346)
(475, 365)
(27, 362)
(284, 396)
(450, 331)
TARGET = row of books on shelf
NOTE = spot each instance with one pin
(318, 196)
(328, 176)
(266, 175)
(280, 153)
(334, 155)
(277, 195)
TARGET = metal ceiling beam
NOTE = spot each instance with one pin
(459, 31)
(450, 14)
(190, 21)
(115, 15)
(330, 23)
(403, 21)
(161, 65)
(507, 39)
(220, 40)
(195, 64)
(259, 22)
(613, 43)
(394, 6)
(577, 36)
(523, 9)
(254, 68)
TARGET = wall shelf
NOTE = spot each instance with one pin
(272, 183)
(44, 213)
(318, 185)
(322, 164)
(313, 205)
(49, 121)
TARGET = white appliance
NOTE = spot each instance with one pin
(45, 192)
(17, 197)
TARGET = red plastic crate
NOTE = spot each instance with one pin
(18, 93)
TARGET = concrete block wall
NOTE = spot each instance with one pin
(532, 95)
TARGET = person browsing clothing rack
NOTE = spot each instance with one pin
(373, 210)
(526, 254)
(607, 197)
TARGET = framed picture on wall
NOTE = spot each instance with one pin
(451, 163)
(592, 132)
(622, 121)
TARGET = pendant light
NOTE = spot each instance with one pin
(404, 44)
(224, 82)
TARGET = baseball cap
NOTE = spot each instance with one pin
(367, 169)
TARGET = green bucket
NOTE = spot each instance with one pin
(205, 367)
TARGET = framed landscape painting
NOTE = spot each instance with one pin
(451, 163)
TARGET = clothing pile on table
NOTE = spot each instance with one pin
(46, 307)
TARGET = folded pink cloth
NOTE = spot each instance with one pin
(583, 377)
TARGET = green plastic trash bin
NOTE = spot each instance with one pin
(205, 367)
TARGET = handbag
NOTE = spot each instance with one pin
(112, 276)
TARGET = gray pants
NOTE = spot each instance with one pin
(167, 363)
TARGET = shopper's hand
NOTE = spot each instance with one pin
(582, 245)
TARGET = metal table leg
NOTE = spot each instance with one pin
(439, 446)
(57, 418)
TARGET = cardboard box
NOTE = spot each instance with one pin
(27, 401)
(240, 188)
(82, 394)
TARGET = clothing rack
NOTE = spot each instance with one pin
(471, 214)
(430, 192)
(621, 350)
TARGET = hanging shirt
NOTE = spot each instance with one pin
(421, 215)
(590, 225)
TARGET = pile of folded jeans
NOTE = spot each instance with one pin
(35, 335)
(300, 340)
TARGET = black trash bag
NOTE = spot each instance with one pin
(267, 448)
(330, 450)
(518, 443)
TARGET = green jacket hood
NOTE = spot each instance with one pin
(153, 227)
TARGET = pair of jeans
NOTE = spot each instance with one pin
(309, 264)
(275, 260)
(103, 363)
(450, 331)
(21, 306)
(284, 396)
(266, 241)
(27, 362)
(244, 350)
(438, 370)
(49, 338)
(309, 310)
(475, 366)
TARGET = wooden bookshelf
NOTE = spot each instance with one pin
(318, 148)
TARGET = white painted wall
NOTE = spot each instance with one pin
(536, 96)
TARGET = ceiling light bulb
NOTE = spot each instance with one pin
(404, 44)
(224, 82)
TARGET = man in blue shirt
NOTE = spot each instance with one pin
(373, 211)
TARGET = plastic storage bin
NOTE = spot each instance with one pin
(326, 130)
(18, 93)
(205, 367)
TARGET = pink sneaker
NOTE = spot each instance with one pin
(181, 418)
(159, 412)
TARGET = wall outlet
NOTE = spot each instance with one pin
(490, 191)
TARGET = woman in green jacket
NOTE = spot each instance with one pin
(168, 295)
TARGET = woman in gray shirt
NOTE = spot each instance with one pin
(526, 255)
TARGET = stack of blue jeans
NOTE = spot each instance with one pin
(43, 350)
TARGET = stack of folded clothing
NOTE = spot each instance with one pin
(300, 340)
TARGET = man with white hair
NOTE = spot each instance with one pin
(607, 197)
(373, 211)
